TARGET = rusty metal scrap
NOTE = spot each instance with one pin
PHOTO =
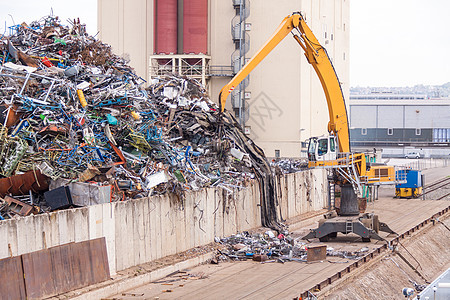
(20, 208)
(21, 184)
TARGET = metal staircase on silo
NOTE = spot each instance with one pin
(241, 41)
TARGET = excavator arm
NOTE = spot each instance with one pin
(318, 58)
(350, 170)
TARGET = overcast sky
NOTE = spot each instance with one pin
(399, 42)
(30, 10)
(392, 42)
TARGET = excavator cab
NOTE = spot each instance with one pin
(322, 148)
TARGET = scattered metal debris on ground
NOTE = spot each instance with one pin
(75, 114)
(268, 247)
(286, 166)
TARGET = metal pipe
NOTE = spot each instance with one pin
(180, 27)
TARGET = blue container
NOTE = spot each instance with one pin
(413, 179)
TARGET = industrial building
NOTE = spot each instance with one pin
(282, 102)
(396, 120)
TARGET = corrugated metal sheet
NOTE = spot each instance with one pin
(37, 269)
(390, 117)
(195, 26)
(363, 116)
(65, 268)
(12, 285)
(98, 267)
(166, 27)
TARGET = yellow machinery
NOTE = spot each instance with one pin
(349, 170)
(408, 192)
(412, 184)
(322, 152)
(318, 58)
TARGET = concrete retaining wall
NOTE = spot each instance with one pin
(302, 192)
(138, 231)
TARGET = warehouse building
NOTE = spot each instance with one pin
(384, 120)
(282, 102)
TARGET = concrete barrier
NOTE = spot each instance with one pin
(142, 230)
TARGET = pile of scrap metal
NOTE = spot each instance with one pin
(262, 247)
(269, 247)
(78, 120)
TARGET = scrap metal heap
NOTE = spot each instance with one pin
(75, 113)
(269, 247)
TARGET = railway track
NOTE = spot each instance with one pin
(446, 195)
(308, 294)
(440, 184)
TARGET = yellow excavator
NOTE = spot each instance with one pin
(348, 170)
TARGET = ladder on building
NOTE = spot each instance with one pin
(348, 226)
(332, 195)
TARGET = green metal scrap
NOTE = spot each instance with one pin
(12, 151)
(61, 41)
(139, 142)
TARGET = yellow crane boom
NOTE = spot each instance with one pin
(318, 58)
